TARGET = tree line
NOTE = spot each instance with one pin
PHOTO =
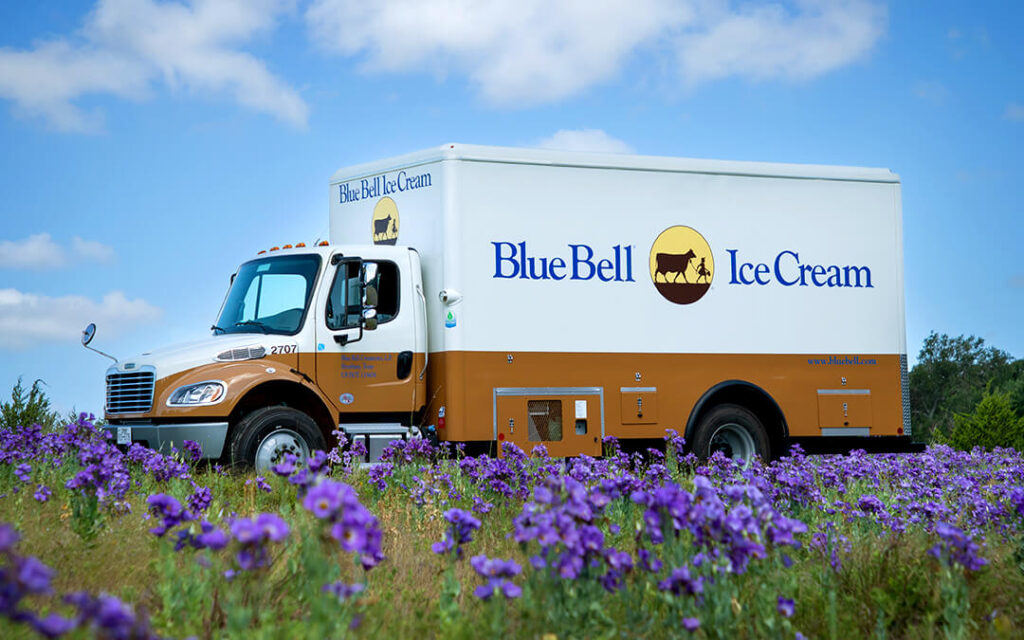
(965, 394)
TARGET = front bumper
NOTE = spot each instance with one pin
(161, 437)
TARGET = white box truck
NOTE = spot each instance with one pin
(490, 294)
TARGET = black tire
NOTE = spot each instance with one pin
(728, 427)
(294, 427)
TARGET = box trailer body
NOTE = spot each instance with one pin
(623, 296)
(540, 297)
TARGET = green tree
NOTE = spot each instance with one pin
(993, 423)
(28, 407)
(951, 377)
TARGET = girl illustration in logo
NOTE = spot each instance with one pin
(702, 271)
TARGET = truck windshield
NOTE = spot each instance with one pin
(269, 296)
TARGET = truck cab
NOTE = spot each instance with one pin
(307, 341)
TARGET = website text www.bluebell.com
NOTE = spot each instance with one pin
(841, 360)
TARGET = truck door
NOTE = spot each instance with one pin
(567, 421)
(371, 376)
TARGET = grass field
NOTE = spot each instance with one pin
(433, 544)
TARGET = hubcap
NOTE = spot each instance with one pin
(274, 447)
(734, 441)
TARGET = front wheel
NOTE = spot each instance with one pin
(733, 430)
(263, 437)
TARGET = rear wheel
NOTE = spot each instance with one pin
(733, 430)
(263, 437)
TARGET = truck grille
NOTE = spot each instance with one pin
(130, 392)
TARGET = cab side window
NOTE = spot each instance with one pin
(345, 304)
(387, 291)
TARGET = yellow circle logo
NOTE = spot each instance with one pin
(385, 222)
(682, 265)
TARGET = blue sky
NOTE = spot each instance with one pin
(149, 147)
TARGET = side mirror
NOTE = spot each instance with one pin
(369, 272)
(370, 297)
(88, 334)
(369, 319)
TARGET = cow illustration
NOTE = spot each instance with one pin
(666, 263)
(381, 227)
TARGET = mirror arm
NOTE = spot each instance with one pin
(101, 353)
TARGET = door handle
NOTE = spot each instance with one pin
(404, 364)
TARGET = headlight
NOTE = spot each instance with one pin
(209, 392)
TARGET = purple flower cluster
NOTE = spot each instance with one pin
(22, 576)
(342, 590)
(956, 548)
(498, 575)
(462, 524)
(253, 534)
(193, 451)
(351, 524)
(730, 527)
(169, 511)
(562, 520)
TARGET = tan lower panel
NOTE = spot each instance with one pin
(463, 383)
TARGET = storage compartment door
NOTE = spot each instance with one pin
(844, 412)
(567, 421)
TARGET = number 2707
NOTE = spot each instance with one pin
(283, 348)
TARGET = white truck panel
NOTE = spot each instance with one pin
(482, 201)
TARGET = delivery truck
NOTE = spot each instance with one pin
(488, 295)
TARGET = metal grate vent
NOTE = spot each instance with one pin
(130, 392)
(242, 353)
(905, 385)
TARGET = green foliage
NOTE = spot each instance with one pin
(86, 517)
(993, 423)
(952, 376)
(27, 408)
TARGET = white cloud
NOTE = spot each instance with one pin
(530, 51)
(126, 45)
(594, 140)
(92, 250)
(769, 41)
(27, 319)
(1014, 112)
(39, 251)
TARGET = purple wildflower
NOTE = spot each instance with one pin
(462, 525)
(42, 493)
(786, 607)
(342, 590)
(169, 510)
(193, 450)
(498, 574)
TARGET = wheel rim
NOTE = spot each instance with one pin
(274, 447)
(734, 441)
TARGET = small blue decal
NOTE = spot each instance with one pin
(320, 347)
(450, 320)
(347, 398)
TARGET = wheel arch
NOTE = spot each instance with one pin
(289, 394)
(745, 394)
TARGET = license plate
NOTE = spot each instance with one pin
(124, 435)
